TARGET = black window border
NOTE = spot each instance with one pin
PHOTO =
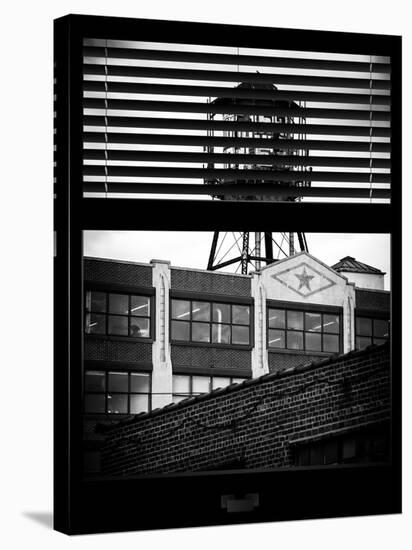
(79, 507)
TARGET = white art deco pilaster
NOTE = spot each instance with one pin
(162, 363)
(260, 364)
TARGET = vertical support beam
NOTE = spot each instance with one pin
(258, 251)
(269, 248)
(245, 252)
(213, 250)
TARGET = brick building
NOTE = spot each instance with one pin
(157, 334)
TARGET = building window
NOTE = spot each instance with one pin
(370, 331)
(185, 385)
(355, 448)
(109, 392)
(117, 314)
(210, 322)
(303, 330)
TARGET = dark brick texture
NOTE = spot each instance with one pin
(282, 361)
(210, 357)
(107, 350)
(117, 273)
(257, 422)
(372, 299)
(210, 283)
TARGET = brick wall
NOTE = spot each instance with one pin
(108, 350)
(209, 357)
(210, 283)
(282, 361)
(256, 422)
(117, 273)
(370, 299)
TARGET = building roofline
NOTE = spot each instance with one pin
(298, 369)
(304, 253)
(152, 262)
(130, 262)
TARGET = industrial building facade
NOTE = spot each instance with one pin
(157, 334)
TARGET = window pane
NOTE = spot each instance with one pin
(181, 383)
(139, 403)
(313, 322)
(118, 325)
(331, 343)
(363, 342)
(331, 323)
(330, 451)
(240, 335)
(94, 403)
(140, 306)
(363, 326)
(95, 381)
(295, 320)
(181, 310)
(221, 334)
(119, 303)
(139, 382)
(238, 380)
(180, 330)
(97, 301)
(139, 328)
(117, 403)
(380, 328)
(313, 341)
(276, 338)
(379, 340)
(201, 311)
(200, 332)
(201, 384)
(348, 448)
(277, 318)
(241, 315)
(295, 340)
(220, 382)
(221, 313)
(95, 323)
(118, 381)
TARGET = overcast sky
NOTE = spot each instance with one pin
(191, 249)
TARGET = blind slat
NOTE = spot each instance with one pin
(189, 107)
(234, 59)
(287, 175)
(229, 126)
(233, 189)
(236, 92)
(227, 76)
(216, 141)
(230, 158)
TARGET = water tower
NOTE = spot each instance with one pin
(259, 151)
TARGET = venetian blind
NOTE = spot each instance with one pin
(234, 123)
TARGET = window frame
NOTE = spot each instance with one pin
(107, 391)
(138, 292)
(211, 322)
(373, 316)
(304, 308)
(191, 393)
